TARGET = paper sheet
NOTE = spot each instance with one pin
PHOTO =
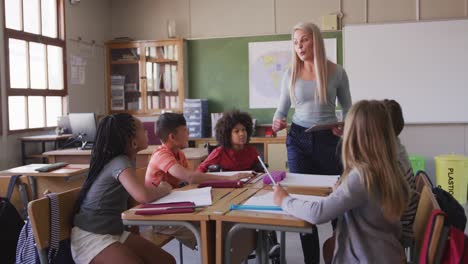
(199, 196)
(267, 200)
(230, 173)
(309, 180)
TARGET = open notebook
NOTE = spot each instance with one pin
(267, 200)
(309, 180)
(199, 196)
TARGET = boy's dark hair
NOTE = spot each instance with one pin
(394, 109)
(113, 135)
(227, 122)
(168, 123)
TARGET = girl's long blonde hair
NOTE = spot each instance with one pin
(370, 146)
(320, 62)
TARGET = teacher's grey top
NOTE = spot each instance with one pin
(309, 111)
(363, 233)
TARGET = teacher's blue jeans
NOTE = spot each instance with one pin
(316, 152)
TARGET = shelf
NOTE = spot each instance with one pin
(137, 59)
(161, 61)
(35, 156)
(125, 62)
(162, 92)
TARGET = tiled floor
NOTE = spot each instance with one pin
(293, 248)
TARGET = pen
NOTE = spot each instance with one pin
(255, 207)
(266, 170)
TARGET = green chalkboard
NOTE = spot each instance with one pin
(218, 69)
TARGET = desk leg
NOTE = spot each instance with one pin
(206, 230)
(23, 152)
(43, 150)
(219, 242)
(283, 247)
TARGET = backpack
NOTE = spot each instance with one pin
(58, 251)
(455, 212)
(454, 243)
(10, 224)
(456, 249)
(453, 247)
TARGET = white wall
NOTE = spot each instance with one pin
(217, 18)
(89, 20)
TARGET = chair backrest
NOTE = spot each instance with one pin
(152, 138)
(39, 215)
(427, 203)
(19, 198)
(421, 181)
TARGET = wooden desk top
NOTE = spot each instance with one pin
(29, 170)
(190, 153)
(200, 214)
(251, 217)
(46, 137)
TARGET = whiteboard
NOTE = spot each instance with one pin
(422, 65)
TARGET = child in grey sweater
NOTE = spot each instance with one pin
(371, 196)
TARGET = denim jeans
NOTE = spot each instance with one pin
(315, 152)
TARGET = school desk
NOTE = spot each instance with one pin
(229, 223)
(204, 235)
(57, 139)
(63, 179)
(194, 156)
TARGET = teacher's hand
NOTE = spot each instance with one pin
(338, 131)
(279, 124)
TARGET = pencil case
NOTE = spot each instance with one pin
(277, 176)
(221, 184)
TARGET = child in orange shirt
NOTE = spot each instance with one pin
(168, 163)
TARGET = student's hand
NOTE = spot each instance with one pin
(279, 194)
(240, 176)
(165, 186)
(163, 189)
(338, 131)
(279, 124)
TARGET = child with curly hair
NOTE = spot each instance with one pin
(233, 132)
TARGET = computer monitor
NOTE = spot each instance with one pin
(83, 126)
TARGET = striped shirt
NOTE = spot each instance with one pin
(408, 216)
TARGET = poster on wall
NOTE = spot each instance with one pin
(77, 70)
(267, 63)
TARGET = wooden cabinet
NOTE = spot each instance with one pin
(146, 77)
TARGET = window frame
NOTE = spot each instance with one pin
(59, 41)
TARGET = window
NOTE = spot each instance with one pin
(35, 67)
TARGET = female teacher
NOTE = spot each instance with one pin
(312, 83)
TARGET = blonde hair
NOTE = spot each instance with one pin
(370, 146)
(320, 62)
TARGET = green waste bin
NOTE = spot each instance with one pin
(451, 175)
(417, 163)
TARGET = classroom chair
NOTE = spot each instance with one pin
(428, 203)
(40, 217)
(19, 197)
(421, 181)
